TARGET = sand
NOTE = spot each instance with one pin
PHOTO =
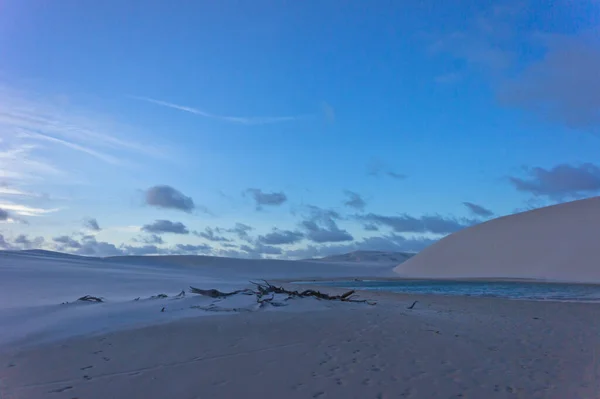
(556, 243)
(446, 347)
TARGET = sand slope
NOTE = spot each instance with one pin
(39, 289)
(443, 348)
(559, 242)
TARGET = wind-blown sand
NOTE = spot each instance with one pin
(559, 242)
(443, 348)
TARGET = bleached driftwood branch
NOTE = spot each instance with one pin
(89, 298)
(266, 288)
(216, 293)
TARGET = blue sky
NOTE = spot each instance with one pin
(320, 127)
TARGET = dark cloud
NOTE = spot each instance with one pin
(168, 197)
(165, 226)
(322, 215)
(89, 246)
(394, 243)
(280, 237)
(354, 200)
(426, 224)
(233, 253)
(391, 243)
(241, 230)
(563, 86)
(211, 235)
(370, 227)
(25, 242)
(4, 215)
(560, 83)
(258, 250)
(478, 210)
(194, 249)
(141, 251)
(91, 224)
(321, 226)
(562, 181)
(152, 239)
(377, 168)
(269, 199)
(329, 233)
(67, 242)
(3, 243)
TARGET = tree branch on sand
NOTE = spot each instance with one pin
(216, 293)
(265, 293)
(89, 298)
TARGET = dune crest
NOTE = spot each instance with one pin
(558, 242)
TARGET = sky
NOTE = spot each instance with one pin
(276, 129)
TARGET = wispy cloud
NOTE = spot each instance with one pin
(484, 44)
(21, 161)
(251, 120)
(377, 167)
(16, 192)
(30, 112)
(25, 210)
(77, 147)
(33, 125)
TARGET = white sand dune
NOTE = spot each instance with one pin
(558, 242)
(35, 284)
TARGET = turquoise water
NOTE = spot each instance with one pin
(493, 289)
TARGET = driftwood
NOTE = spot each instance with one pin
(265, 294)
(215, 293)
(266, 288)
(89, 298)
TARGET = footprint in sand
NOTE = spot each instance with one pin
(59, 390)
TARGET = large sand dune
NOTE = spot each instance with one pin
(559, 242)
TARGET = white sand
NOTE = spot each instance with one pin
(444, 348)
(34, 287)
(556, 243)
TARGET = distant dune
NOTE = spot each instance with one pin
(379, 257)
(42, 253)
(558, 242)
